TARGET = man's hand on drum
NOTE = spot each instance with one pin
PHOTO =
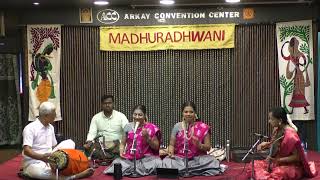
(45, 157)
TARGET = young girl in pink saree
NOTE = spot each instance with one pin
(148, 139)
(288, 160)
(197, 135)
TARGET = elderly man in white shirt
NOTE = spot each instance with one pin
(108, 124)
(38, 141)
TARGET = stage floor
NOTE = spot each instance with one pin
(9, 169)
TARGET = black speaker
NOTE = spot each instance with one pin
(167, 173)
(117, 171)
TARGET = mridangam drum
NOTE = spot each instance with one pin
(68, 161)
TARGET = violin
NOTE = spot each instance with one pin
(275, 145)
(273, 151)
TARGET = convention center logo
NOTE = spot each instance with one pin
(108, 16)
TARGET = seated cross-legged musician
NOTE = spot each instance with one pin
(38, 141)
(196, 135)
(108, 125)
(147, 137)
(287, 159)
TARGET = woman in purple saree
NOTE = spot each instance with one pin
(196, 135)
(148, 139)
(288, 160)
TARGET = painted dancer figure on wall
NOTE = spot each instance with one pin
(299, 82)
(42, 65)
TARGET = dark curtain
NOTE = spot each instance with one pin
(10, 111)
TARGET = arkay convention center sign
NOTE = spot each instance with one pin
(190, 16)
(110, 16)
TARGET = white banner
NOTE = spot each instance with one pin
(295, 57)
(44, 43)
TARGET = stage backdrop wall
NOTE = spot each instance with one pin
(233, 88)
(162, 80)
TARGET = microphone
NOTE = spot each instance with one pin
(261, 135)
(136, 124)
(134, 144)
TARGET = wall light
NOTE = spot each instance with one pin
(232, 1)
(101, 3)
(167, 2)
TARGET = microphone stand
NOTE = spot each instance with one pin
(101, 146)
(251, 151)
(186, 150)
(134, 150)
(57, 174)
(92, 159)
